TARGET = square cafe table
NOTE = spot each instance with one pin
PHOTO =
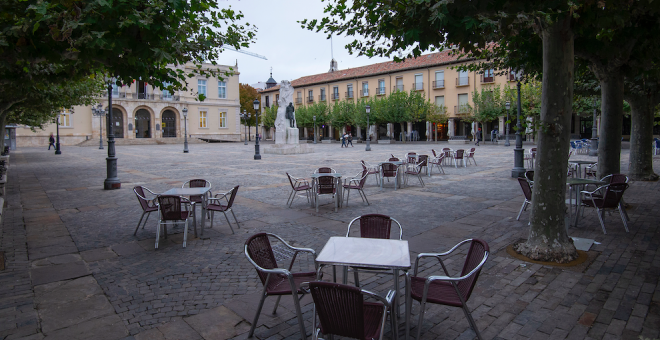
(192, 192)
(338, 195)
(370, 252)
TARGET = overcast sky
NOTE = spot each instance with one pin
(292, 51)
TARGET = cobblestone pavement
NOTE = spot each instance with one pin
(75, 270)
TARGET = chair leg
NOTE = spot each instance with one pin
(364, 196)
(524, 205)
(623, 218)
(421, 318)
(356, 277)
(301, 322)
(149, 214)
(185, 233)
(347, 195)
(235, 219)
(468, 315)
(601, 215)
(277, 303)
(227, 218)
(157, 234)
(140, 221)
(317, 203)
(622, 207)
(256, 316)
(292, 196)
(212, 217)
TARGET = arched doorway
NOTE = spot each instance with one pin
(169, 124)
(142, 124)
(117, 123)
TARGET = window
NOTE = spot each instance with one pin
(267, 102)
(299, 97)
(335, 93)
(310, 96)
(381, 86)
(165, 93)
(115, 90)
(399, 84)
(201, 86)
(222, 89)
(202, 118)
(322, 96)
(277, 99)
(365, 89)
(440, 101)
(65, 118)
(512, 75)
(439, 82)
(462, 79)
(419, 82)
(349, 91)
(223, 119)
(463, 103)
(488, 76)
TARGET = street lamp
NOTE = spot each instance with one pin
(314, 118)
(593, 145)
(245, 117)
(508, 107)
(518, 153)
(185, 130)
(256, 125)
(57, 144)
(368, 108)
(112, 181)
(100, 112)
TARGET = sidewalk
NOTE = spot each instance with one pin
(74, 270)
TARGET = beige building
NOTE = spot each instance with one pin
(145, 114)
(434, 75)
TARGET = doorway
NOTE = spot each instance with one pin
(117, 123)
(142, 124)
(169, 124)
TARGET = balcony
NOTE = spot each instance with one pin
(335, 96)
(511, 76)
(418, 86)
(310, 99)
(380, 91)
(487, 80)
(321, 97)
(119, 95)
(461, 109)
(349, 95)
(462, 81)
(169, 97)
(438, 84)
(148, 96)
(397, 88)
(298, 100)
(365, 92)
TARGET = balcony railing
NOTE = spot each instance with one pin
(511, 76)
(349, 94)
(299, 100)
(486, 80)
(335, 96)
(119, 95)
(397, 88)
(174, 98)
(380, 91)
(148, 96)
(310, 99)
(438, 84)
(462, 81)
(418, 86)
(321, 97)
(365, 92)
(461, 109)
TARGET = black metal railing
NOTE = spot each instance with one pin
(438, 84)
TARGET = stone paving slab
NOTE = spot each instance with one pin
(174, 290)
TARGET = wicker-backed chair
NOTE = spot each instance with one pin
(459, 155)
(356, 183)
(373, 226)
(448, 155)
(198, 183)
(170, 212)
(389, 170)
(325, 170)
(529, 175)
(437, 162)
(530, 158)
(606, 197)
(591, 171)
(393, 159)
(277, 281)
(416, 170)
(148, 205)
(223, 203)
(411, 158)
(342, 311)
(447, 290)
(326, 185)
(372, 169)
(527, 191)
(424, 161)
(297, 185)
(470, 156)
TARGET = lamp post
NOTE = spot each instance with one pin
(57, 144)
(518, 153)
(256, 145)
(508, 107)
(100, 112)
(593, 146)
(368, 148)
(314, 118)
(245, 117)
(185, 130)
(112, 181)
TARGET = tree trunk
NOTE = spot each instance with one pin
(548, 239)
(3, 119)
(609, 143)
(641, 137)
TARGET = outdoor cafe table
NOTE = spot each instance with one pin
(579, 165)
(369, 252)
(399, 164)
(578, 183)
(337, 177)
(192, 192)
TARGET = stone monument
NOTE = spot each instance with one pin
(286, 128)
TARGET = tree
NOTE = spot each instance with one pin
(247, 95)
(269, 116)
(342, 113)
(643, 94)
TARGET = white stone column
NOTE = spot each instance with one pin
(359, 132)
(390, 131)
(305, 133)
(409, 130)
(450, 127)
(330, 132)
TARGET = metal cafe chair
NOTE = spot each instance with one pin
(342, 311)
(606, 197)
(372, 226)
(148, 205)
(326, 185)
(169, 211)
(437, 162)
(356, 183)
(389, 170)
(223, 203)
(416, 170)
(325, 170)
(198, 183)
(445, 289)
(470, 156)
(459, 155)
(277, 281)
(527, 191)
(373, 170)
(297, 185)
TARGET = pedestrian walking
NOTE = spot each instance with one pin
(51, 141)
(350, 140)
(478, 137)
(343, 140)
(493, 136)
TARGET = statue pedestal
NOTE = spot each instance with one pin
(288, 149)
(287, 136)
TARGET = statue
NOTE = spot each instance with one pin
(291, 115)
